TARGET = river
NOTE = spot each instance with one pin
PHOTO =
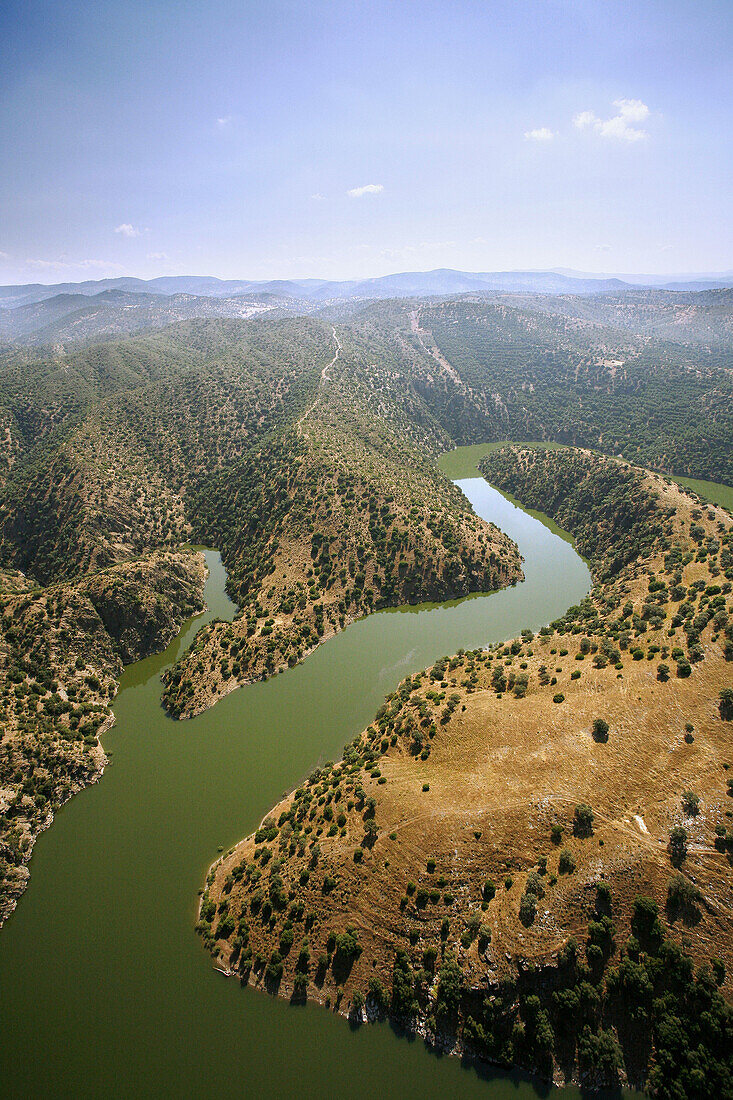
(104, 986)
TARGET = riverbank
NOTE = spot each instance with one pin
(395, 853)
(463, 462)
(62, 652)
(388, 552)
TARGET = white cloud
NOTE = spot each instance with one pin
(4, 255)
(618, 126)
(602, 248)
(585, 118)
(367, 189)
(541, 134)
(223, 122)
(318, 197)
(157, 255)
(127, 230)
(633, 110)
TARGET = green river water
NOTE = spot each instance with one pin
(105, 989)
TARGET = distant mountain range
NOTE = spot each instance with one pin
(405, 284)
(36, 313)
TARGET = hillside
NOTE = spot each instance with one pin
(644, 372)
(529, 848)
(526, 372)
(341, 515)
(107, 441)
(80, 318)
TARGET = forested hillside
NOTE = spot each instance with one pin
(593, 376)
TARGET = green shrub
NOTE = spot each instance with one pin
(678, 845)
(600, 730)
(567, 864)
(583, 820)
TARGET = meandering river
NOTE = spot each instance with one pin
(105, 990)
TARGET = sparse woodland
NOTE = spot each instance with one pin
(531, 846)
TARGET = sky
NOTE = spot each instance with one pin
(299, 138)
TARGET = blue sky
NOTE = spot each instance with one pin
(288, 138)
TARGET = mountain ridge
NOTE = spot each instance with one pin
(398, 284)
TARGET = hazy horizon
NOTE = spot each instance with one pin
(675, 276)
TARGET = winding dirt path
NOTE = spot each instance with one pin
(325, 377)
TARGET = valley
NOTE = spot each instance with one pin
(548, 770)
(122, 864)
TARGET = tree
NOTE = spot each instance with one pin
(691, 803)
(599, 1055)
(404, 1003)
(347, 950)
(678, 845)
(645, 922)
(726, 704)
(450, 986)
(489, 890)
(274, 970)
(567, 864)
(527, 908)
(583, 820)
(682, 898)
(371, 832)
(376, 992)
(600, 729)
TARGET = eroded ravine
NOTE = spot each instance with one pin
(105, 987)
